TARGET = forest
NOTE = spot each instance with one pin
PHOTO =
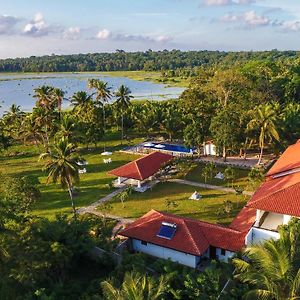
(133, 61)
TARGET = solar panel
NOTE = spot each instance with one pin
(167, 230)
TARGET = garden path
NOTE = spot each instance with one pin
(208, 186)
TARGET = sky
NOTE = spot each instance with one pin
(45, 27)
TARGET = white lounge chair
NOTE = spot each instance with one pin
(195, 196)
(107, 161)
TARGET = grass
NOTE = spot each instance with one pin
(241, 176)
(204, 209)
(93, 184)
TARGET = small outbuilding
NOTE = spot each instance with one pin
(209, 148)
(138, 172)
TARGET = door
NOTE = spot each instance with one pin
(212, 252)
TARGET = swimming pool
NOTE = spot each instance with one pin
(168, 147)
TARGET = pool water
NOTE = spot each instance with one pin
(170, 147)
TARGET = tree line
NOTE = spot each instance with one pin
(133, 61)
(253, 106)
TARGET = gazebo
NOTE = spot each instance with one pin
(141, 170)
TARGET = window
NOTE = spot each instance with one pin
(223, 252)
(144, 243)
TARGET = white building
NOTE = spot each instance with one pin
(184, 240)
(278, 198)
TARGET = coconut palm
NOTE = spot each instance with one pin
(30, 130)
(57, 98)
(272, 269)
(62, 165)
(264, 121)
(67, 125)
(81, 101)
(43, 95)
(135, 287)
(123, 95)
(103, 94)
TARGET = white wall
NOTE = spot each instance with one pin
(209, 149)
(166, 253)
(286, 219)
(228, 254)
(258, 235)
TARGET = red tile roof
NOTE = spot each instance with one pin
(280, 193)
(192, 236)
(143, 167)
(244, 220)
(290, 159)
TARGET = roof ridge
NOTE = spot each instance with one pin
(138, 169)
(199, 221)
(189, 233)
(276, 192)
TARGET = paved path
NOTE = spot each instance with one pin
(94, 205)
(208, 186)
(92, 210)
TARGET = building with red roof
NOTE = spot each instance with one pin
(278, 199)
(187, 241)
(142, 169)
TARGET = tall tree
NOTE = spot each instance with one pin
(103, 94)
(62, 166)
(123, 97)
(264, 122)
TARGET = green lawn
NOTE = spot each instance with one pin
(241, 176)
(204, 209)
(93, 184)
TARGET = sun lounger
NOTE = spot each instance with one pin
(82, 171)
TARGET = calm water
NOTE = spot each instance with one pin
(19, 88)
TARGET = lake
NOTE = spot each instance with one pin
(18, 88)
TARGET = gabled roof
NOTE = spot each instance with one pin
(143, 167)
(289, 160)
(280, 193)
(192, 236)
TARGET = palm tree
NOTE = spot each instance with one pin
(135, 287)
(81, 101)
(67, 125)
(272, 269)
(14, 112)
(43, 95)
(58, 97)
(62, 166)
(123, 95)
(30, 130)
(264, 121)
(103, 94)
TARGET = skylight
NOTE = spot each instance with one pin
(167, 230)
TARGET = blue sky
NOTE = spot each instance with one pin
(37, 27)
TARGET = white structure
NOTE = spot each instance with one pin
(209, 149)
(183, 240)
(278, 198)
(195, 196)
(220, 176)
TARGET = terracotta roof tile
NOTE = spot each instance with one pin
(290, 159)
(192, 236)
(143, 167)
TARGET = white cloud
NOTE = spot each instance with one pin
(106, 34)
(291, 25)
(38, 27)
(217, 2)
(72, 33)
(103, 34)
(227, 2)
(7, 24)
(249, 18)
